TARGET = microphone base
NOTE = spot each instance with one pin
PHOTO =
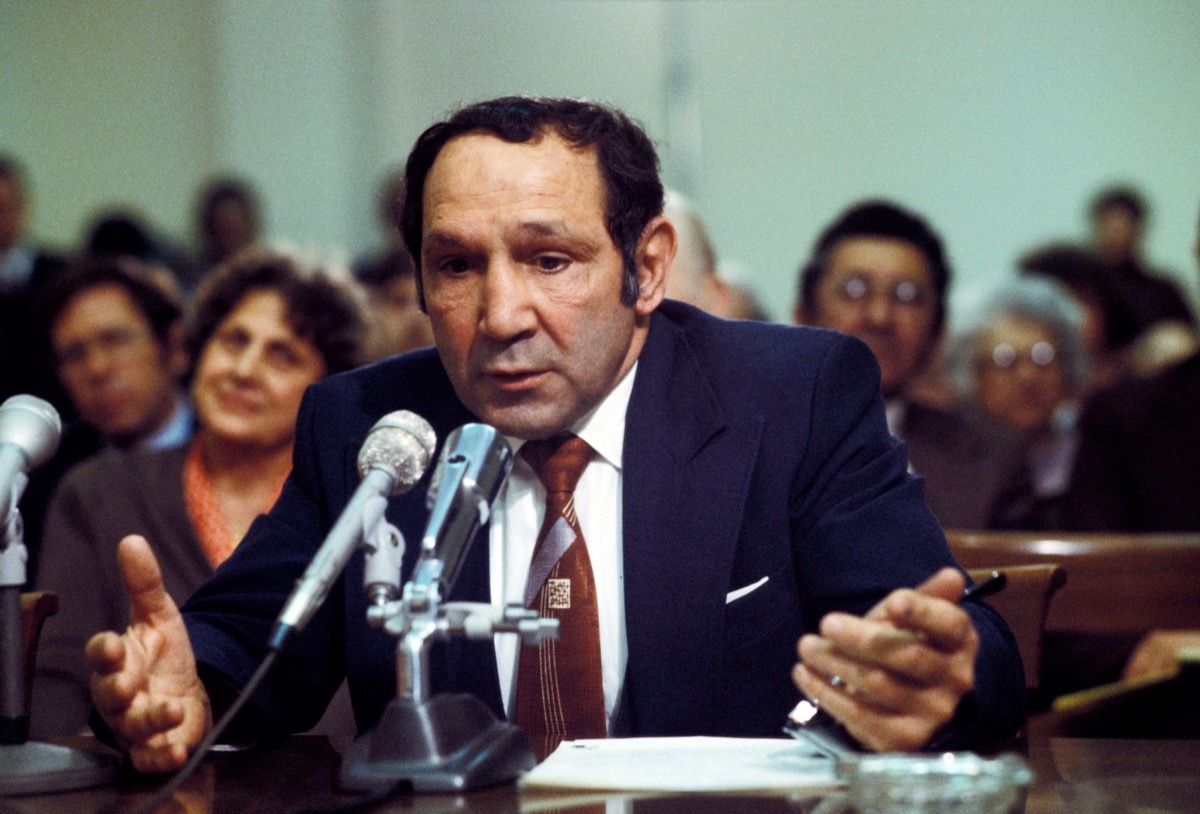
(38, 768)
(451, 743)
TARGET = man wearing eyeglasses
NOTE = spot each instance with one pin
(114, 330)
(880, 273)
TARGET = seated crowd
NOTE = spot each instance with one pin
(1063, 403)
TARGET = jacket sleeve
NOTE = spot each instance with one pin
(861, 528)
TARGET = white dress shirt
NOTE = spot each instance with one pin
(517, 519)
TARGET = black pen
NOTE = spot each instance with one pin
(986, 587)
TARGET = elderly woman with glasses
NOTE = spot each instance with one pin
(1021, 361)
(263, 328)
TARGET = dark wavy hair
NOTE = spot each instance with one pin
(628, 164)
(879, 218)
(319, 308)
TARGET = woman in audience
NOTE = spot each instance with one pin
(1022, 362)
(263, 329)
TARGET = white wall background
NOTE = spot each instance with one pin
(997, 120)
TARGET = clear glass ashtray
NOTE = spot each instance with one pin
(951, 783)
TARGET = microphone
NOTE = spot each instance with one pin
(29, 432)
(392, 459)
(473, 467)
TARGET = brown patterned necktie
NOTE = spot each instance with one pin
(560, 687)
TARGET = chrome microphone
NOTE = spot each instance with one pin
(393, 458)
(473, 467)
(29, 433)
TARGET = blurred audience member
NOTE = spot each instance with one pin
(262, 330)
(388, 201)
(1021, 361)
(693, 275)
(880, 273)
(24, 268)
(1137, 453)
(122, 233)
(1138, 322)
(1161, 652)
(395, 320)
(115, 331)
(743, 304)
(228, 220)
(1109, 330)
(1119, 216)
(115, 335)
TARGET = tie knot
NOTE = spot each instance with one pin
(559, 461)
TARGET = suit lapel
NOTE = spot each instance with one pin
(686, 473)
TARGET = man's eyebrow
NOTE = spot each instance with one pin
(441, 240)
(559, 230)
(444, 240)
(546, 228)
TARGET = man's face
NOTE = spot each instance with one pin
(119, 376)
(1116, 234)
(880, 290)
(523, 282)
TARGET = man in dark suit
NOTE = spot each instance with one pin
(879, 272)
(744, 493)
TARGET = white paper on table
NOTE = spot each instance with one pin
(683, 764)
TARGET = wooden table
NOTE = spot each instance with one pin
(1073, 775)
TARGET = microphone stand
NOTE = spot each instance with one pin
(30, 767)
(435, 743)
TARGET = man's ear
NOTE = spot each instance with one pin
(656, 250)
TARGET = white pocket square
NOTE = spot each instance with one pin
(733, 596)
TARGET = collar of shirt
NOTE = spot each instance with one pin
(517, 518)
(178, 429)
(896, 410)
(16, 266)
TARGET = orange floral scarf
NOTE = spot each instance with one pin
(209, 522)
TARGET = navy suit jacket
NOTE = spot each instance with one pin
(751, 451)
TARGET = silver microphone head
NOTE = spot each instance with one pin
(32, 425)
(401, 444)
(480, 452)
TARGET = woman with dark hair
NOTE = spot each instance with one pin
(262, 330)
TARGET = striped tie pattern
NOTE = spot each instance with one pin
(560, 688)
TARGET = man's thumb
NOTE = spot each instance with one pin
(148, 599)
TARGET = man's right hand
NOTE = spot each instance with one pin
(144, 681)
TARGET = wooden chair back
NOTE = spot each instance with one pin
(35, 607)
(1025, 604)
(1119, 583)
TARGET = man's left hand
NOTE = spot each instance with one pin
(896, 675)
